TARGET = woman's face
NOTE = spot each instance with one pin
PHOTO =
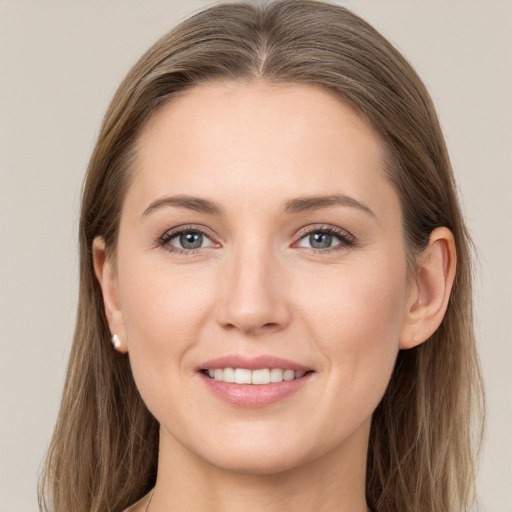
(260, 233)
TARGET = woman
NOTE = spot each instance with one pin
(270, 237)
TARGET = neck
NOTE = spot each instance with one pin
(332, 482)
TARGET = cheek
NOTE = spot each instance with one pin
(357, 321)
(359, 300)
(159, 304)
(164, 314)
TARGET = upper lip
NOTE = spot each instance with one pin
(252, 363)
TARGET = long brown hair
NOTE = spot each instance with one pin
(103, 455)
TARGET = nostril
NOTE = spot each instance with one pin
(253, 328)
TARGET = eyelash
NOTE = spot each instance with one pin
(345, 238)
(164, 240)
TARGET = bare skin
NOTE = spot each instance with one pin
(260, 222)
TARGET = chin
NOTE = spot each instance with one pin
(267, 454)
(258, 463)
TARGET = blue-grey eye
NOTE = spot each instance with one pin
(325, 238)
(190, 240)
(320, 240)
(186, 240)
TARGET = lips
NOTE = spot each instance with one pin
(252, 363)
(253, 382)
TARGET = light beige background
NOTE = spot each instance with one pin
(60, 63)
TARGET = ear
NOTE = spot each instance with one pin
(430, 290)
(107, 277)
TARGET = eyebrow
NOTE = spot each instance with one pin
(296, 205)
(183, 201)
(302, 204)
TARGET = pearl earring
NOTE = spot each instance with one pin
(116, 342)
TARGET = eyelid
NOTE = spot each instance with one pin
(346, 238)
(184, 228)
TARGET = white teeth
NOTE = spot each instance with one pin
(243, 376)
(260, 376)
(228, 375)
(276, 375)
(288, 375)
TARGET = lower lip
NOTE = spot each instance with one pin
(254, 395)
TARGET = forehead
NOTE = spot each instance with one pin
(235, 138)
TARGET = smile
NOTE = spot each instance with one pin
(259, 376)
(253, 382)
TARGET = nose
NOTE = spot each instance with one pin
(253, 299)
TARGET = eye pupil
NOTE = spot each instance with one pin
(191, 240)
(320, 240)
